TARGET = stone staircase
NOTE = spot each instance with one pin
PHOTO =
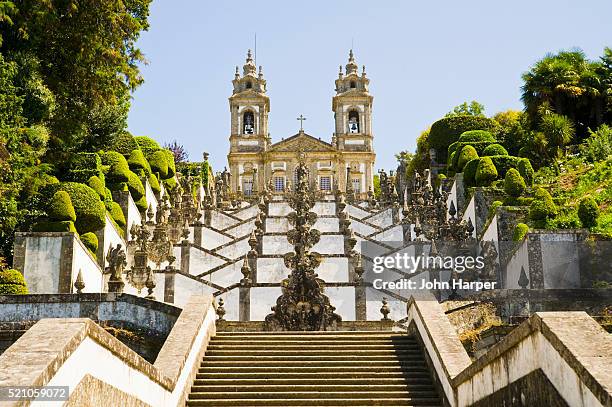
(362, 368)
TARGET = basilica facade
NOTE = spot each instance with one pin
(345, 162)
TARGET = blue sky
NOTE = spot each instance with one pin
(423, 58)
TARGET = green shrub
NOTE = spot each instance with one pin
(89, 209)
(476, 136)
(171, 164)
(141, 204)
(154, 183)
(598, 145)
(514, 184)
(493, 207)
(485, 172)
(495, 149)
(452, 160)
(135, 186)
(12, 283)
(147, 145)
(588, 212)
(90, 241)
(60, 207)
(526, 170)
(542, 207)
(138, 163)
(504, 162)
(469, 172)
(117, 215)
(479, 146)
(170, 184)
(520, 231)
(451, 149)
(159, 164)
(124, 144)
(118, 167)
(97, 185)
(446, 131)
(83, 166)
(468, 153)
(55, 226)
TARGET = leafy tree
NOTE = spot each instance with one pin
(513, 130)
(472, 109)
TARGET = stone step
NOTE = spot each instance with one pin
(337, 402)
(265, 387)
(302, 367)
(360, 334)
(421, 380)
(287, 395)
(290, 345)
(341, 362)
(416, 373)
(316, 352)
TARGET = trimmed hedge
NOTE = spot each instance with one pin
(60, 208)
(495, 149)
(526, 170)
(117, 215)
(468, 153)
(485, 172)
(520, 231)
(55, 226)
(138, 163)
(469, 172)
(159, 164)
(135, 186)
(147, 145)
(514, 184)
(90, 240)
(479, 146)
(588, 212)
(97, 185)
(141, 204)
(171, 165)
(154, 183)
(170, 184)
(472, 136)
(89, 209)
(542, 207)
(118, 167)
(83, 166)
(12, 283)
(504, 162)
(124, 144)
(446, 131)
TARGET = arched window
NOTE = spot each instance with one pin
(248, 120)
(353, 121)
(249, 85)
(353, 85)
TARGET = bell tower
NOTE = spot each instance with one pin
(249, 137)
(352, 107)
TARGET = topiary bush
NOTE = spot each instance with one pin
(476, 136)
(479, 146)
(83, 166)
(138, 163)
(117, 215)
(526, 170)
(170, 184)
(159, 164)
(485, 172)
(154, 183)
(468, 153)
(520, 231)
(542, 207)
(588, 212)
(141, 204)
(97, 185)
(119, 170)
(504, 162)
(89, 209)
(495, 149)
(60, 207)
(514, 184)
(135, 186)
(147, 145)
(12, 283)
(90, 241)
(171, 164)
(469, 172)
(124, 144)
(55, 226)
(446, 131)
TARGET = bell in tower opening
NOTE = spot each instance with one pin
(249, 123)
(353, 122)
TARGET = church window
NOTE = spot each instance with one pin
(279, 184)
(325, 183)
(353, 121)
(356, 183)
(249, 85)
(248, 123)
(247, 186)
(353, 85)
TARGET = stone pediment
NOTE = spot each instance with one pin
(301, 142)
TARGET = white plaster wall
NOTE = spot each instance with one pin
(184, 288)
(247, 213)
(262, 299)
(333, 269)
(330, 244)
(158, 291)
(212, 239)
(356, 212)
(513, 269)
(226, 276)
(452, 197)
(150, 197)
(242, 229)
(271, 270)
(327, 225)
(279, 209)
(132, 217)
(276, 245)
(231, 299)
(470, 213)
(277, 225)
(343, 298)
(362, 228)
(560, 262)
(42, 264)
(221, 221)
(382, 219)
(235, 250)
(111, 237)
(491, 233)
(200, 261)
(324, 208)
(90, 270)
(394, 234)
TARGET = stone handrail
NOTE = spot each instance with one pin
(570, 350)
(98, 368)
